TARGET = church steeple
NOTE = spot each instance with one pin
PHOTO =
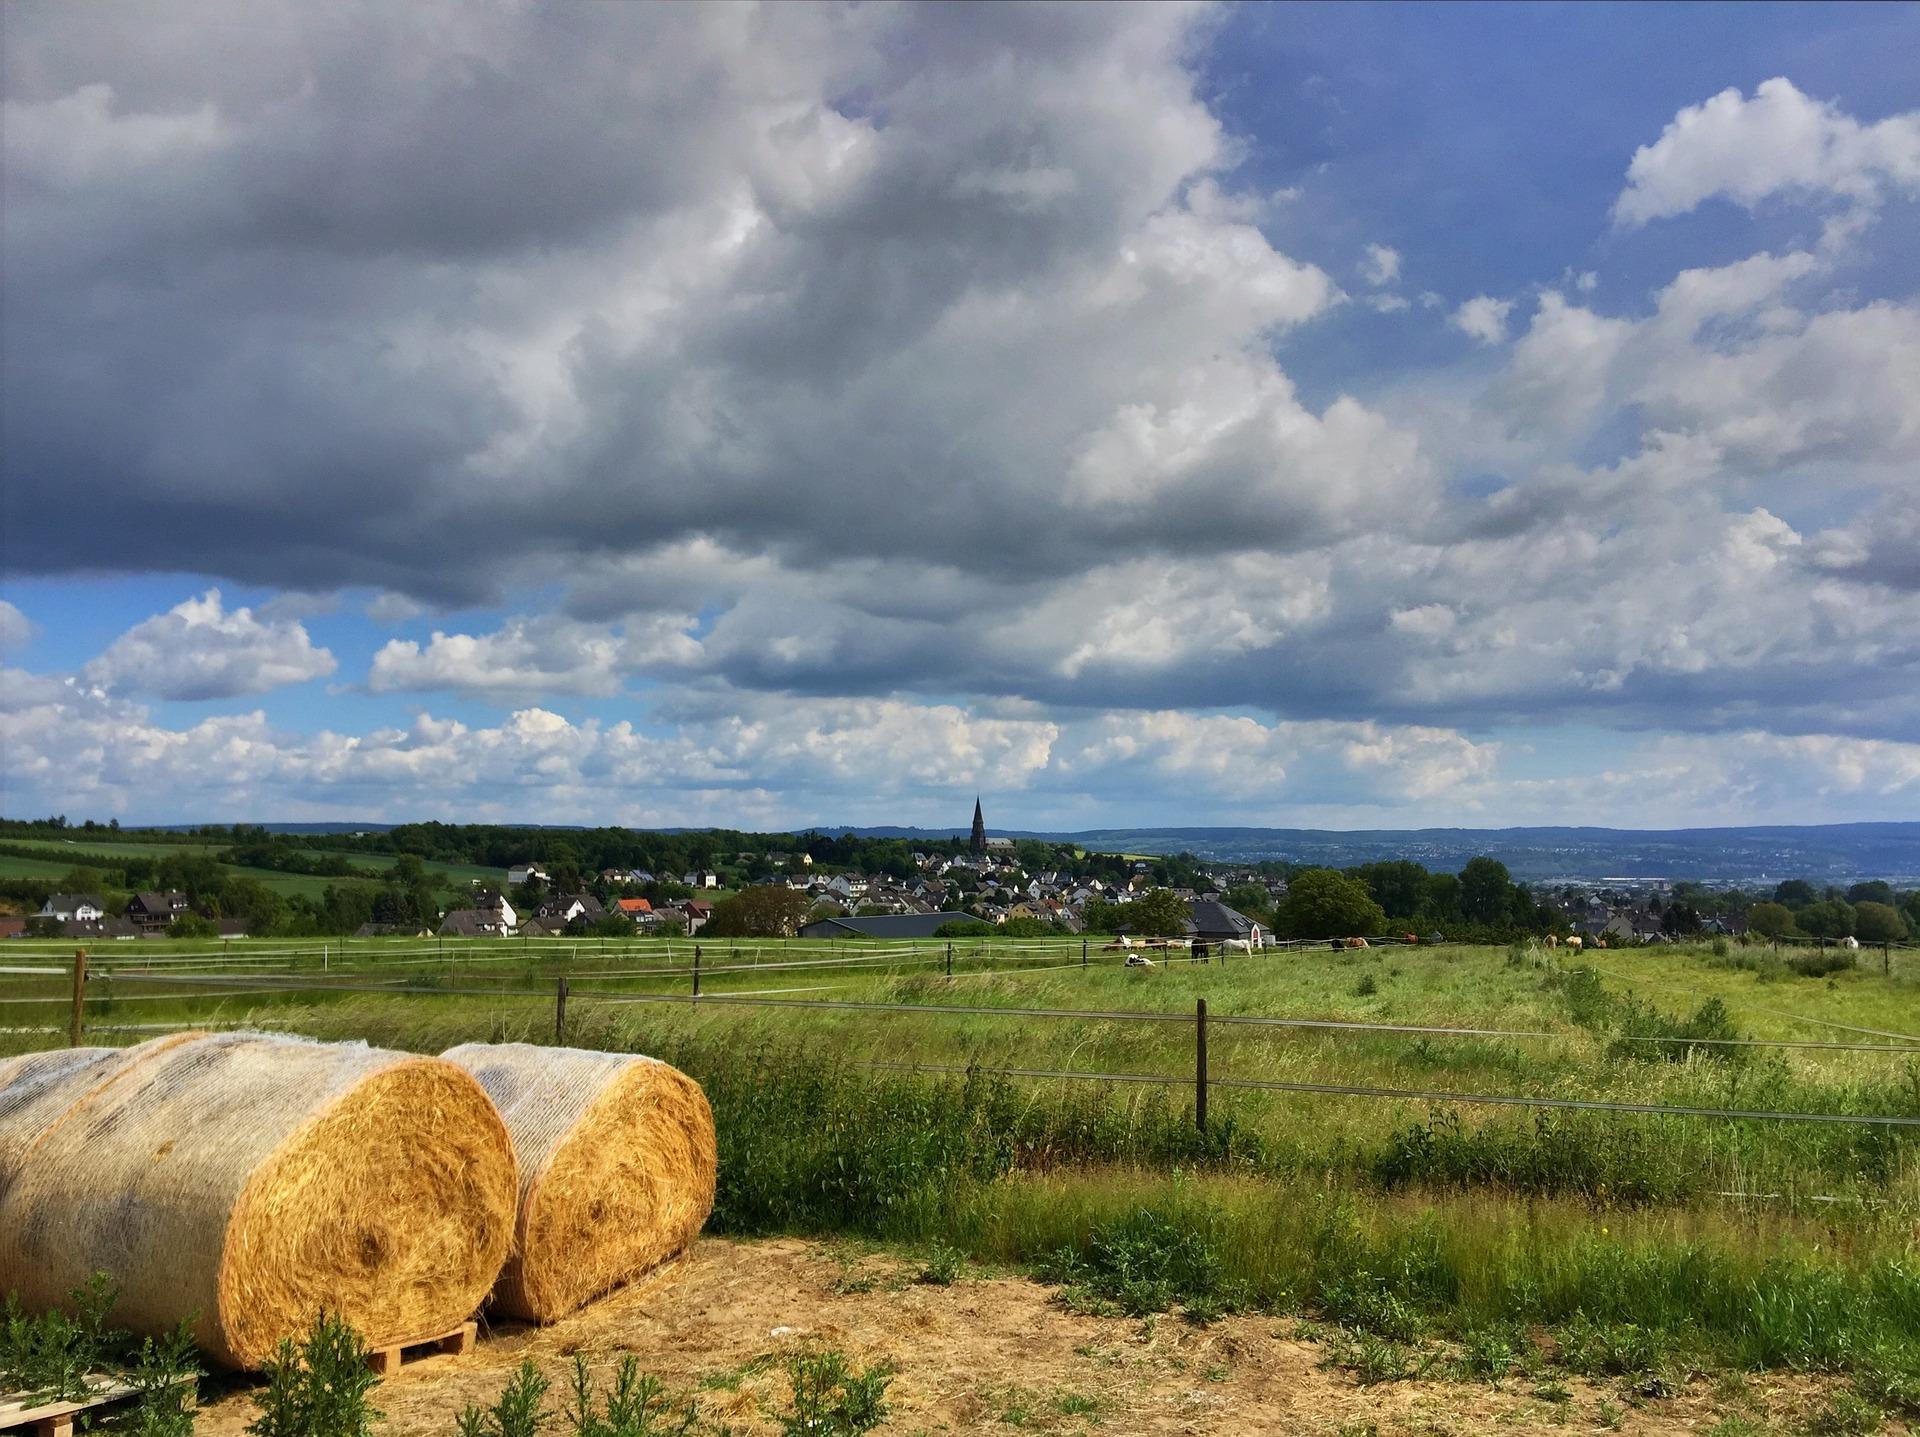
(978, 843)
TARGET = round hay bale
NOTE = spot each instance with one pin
(247, 1181)
(617, 1167)
(39, 1089)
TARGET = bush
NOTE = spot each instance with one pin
(830, 1399)
(1145, 1262)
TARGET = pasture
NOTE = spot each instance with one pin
(1037, 1111)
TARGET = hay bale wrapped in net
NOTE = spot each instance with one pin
(38, 1089)
(617, 1168)
(247, 1181)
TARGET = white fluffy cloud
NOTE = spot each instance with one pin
(199, 649)
(532, 656)
(1779, 142)
(16, 629)
(1483, 317)
(1380, 265)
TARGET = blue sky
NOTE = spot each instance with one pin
(1348, 416)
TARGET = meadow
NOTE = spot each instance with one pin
(1408, 1216)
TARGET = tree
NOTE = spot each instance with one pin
(1873, 891)
(1770, 920)
(1250, 899)
(1829, 918)
(1324, 904)
(764, 911)
(192, 925)
(964, 928)
(1159, 913)
(1879, 923)
(1398, 885)
(1485, 891)
(1795, 893)
(1681, 920)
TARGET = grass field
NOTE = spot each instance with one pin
(1633, 1238)
(103, 853)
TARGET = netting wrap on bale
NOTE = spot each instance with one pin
(37, 1089)
(617, 1168)
(247, 1181)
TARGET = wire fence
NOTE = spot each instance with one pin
(1905, 1047)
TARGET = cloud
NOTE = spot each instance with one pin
(1484, 318)
(1779, 142)
(533, 656)
(16, 629)
(1381, 265)
(200, 650)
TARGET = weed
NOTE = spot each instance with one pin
(1367, 986)
(635, 1406)
(941, 1267)
(1074, 1404)
(830, 1399)
(51, 1356)
(164, 1373)
(318, 1387)
(1846, 1414)
(515, 1412)
(1609, 1414)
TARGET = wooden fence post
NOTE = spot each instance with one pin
(696, 971)
(1200, 1063)
(560, 1012)
(1083, 952)
(949, 959)
(76, 1025)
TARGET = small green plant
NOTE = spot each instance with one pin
(830, 1399)
(941, 1267)
(1367, 986)
(318, 1387)
(636, 1405)
(164, 1373)
(49, 1357)
(1847, 1414)
(1486, 1353)
(515, 1412)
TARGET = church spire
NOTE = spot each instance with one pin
(978, 843)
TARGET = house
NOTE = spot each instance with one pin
(1217, 923)
(472, 923)
(520, 873)
(154, 912)
(499, 911)
(703, 878)
(85, 906)
(632, 908)
(544, 927)
(891, 925)
(230, 927)
(569, 907)
(115, 929)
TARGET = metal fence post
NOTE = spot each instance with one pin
(1200, 1064)
(76, 1025)
(560, 1012)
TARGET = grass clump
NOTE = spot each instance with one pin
(1146, 1262)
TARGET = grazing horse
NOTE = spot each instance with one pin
(1575, 942)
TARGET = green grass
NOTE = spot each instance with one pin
(1632, 1239)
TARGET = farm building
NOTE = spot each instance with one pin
(1216, 923)
(888, 925)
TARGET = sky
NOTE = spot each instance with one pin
(762, 416)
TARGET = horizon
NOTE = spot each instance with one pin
(1357, 419)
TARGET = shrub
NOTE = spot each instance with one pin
(515, 1412)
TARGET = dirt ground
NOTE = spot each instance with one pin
(997, 1355)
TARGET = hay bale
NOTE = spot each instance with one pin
(38, 1089)
(617, 1167)
(247, 1181)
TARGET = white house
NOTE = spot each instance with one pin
(84, 906)
(525, 873)
(703, 879)
(497, 909)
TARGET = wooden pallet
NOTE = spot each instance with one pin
(457, 1343)
(55, 1419)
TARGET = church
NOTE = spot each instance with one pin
(979, 842)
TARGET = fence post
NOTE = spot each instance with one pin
(560, 1012)
(1200, 1064)
(949, 959)
(1083, 952)
(696, 971)
(76, 1025)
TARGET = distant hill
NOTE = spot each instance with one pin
(1828, 852)
(1841, 852)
